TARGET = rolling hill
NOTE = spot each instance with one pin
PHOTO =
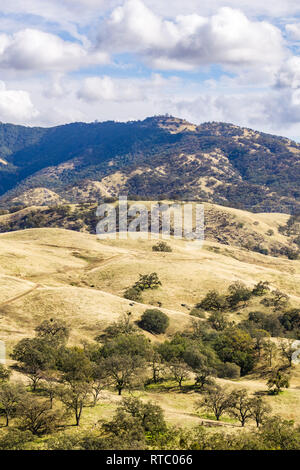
(56, 273)
(269, 234)
(78, 278)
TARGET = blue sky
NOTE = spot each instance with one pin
(202, 60)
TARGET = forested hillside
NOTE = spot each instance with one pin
(160, 157)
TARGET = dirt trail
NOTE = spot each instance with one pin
(105, 262)
(202, 421)
(17, 297)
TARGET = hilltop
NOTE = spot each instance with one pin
(265, 233)
(158, 158)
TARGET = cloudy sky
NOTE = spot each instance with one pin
(202, 60)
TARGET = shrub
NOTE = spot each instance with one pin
(261, 288)
(162, 246)
(154, 321)
(218, 321)
(290, 320)
(266, 321)
(213, 301)
(292, 254)
(278, 380)
(4, 373)
(14, 439)
(260, 249)
(134, 294)
(229, 371)
(239, 292)
(147, 281)
(277, 299)
(197, 312)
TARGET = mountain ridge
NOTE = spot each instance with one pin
(161, 157)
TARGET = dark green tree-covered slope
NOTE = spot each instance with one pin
(160, 157)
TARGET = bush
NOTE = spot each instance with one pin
(134, 294)
(154, 321)
(197, 312)
(260, 249)
(239, 292)
(147, 281)
(4, 373)
(229, 371)
(290, 321)
(162, 246)
(261, 288)
(14, 439)
(213, 301)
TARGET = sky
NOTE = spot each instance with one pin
(202, 60)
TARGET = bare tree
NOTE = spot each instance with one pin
(75, 397)
(180, 371)
(217, 400)
(50, 382)
(241, 406)
(287, 351)
(10, 397)
(156, 364)
(270, 351)
(35, 416)
(259, 410)
(99, 380)
(123, 370)
(204, 377)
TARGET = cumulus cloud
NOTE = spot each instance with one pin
(32, 49)
(15, 105)
(276, 111)
(227, 38)
(289, 74)
(233, 108)
(107, 89)
(123, 90)
(256, 83)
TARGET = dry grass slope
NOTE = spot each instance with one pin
(74, 276)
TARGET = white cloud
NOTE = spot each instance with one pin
(123, 90)
(227, 38)
(289, 74)
(31, 49)
(83, 11)
(274, 111)
(268, 8)
(15, 105)
(107, 89)
(293, 30)
(260, 78)
(59, 11)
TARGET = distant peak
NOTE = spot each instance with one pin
(172, 124)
